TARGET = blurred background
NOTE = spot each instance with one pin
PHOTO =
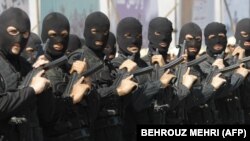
(179, 12)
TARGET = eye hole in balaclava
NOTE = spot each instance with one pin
(215, 38)
(160, 34)
(96, 31)
(129, 36)
(110, 49)
(242, 33)
(56, 29)
(15, 31)
(192, 33)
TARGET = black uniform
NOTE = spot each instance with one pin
(60, 118)
(107, 125)
(160, 36)
(137, 110)
(226, 99)
(196, 108)
(18, 115)
(243, 25)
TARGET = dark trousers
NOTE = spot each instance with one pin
(109, 133)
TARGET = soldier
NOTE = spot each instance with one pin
(195, 110)
(129, 38)
(18, 115)
(74, 43)
(110, 49)
(242, 35)
(107, 125)
(58, 111)
(226, 100)
(32, 48)
(160, 37)
(163, 109)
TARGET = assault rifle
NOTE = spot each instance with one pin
(192, 63)
(149, 69)
(234, 66)
(55, 63)
(156, 66)
(196, 61)
(227, 69)
(182, 49)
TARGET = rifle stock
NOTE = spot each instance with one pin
(149, 69)
(235, 66)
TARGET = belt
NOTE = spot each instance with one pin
(73, 135)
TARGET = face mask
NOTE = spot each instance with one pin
(32, 47)
(242, 33)
(34, 41)
(215, 29)
(194, 41)
(110, 48)
(19, 32)
(74, 43)
(59, 25)
(129, 32)
(96, 31)
(160, 34)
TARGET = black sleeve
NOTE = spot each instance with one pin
(145, 93)
(235, 81)
(182, 91)
(207, 91)
(12, 102)
(107, 91)
(199, 96)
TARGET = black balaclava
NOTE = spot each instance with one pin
(195, 31)
(74, 43)
(34, 42)
(19, 19)
(215, 28)
(132, 27)
(243, 25)
(111, 45)
(101, 23)
(163, 28)
(57, 22)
